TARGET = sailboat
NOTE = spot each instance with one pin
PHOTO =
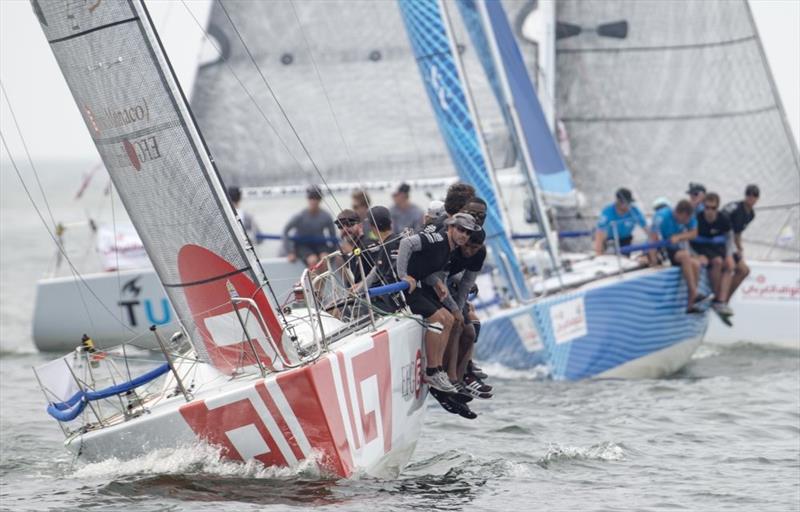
(279, 383)
(604, 317)
(690, 98)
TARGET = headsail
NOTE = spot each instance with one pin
(435, 49)
(124, 87)
(687, 96)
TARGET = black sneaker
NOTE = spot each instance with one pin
(472, 390)
(453, 406)
(694, 310)
(476, 371)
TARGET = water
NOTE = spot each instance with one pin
(722, 435)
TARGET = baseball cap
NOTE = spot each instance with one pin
(696, 188)
(380, 217)
(435, 209)
(347, 218)
(313, 192)
(463, 220)
(752, 190)
(661, 202)
(624, 195)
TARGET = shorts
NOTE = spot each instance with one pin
(710, 251)
(671, 252)
(623, 242)
(424, 301)
(305, 250)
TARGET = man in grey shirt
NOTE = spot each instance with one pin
(405, 214)
(309, 235)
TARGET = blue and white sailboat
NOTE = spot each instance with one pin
(604, 318)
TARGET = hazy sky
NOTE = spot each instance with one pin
(53, 127)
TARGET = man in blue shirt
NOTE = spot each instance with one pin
(620, 216)
(677, 226)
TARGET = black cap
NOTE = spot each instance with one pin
(380, 217)
(624, 195)
(347, 217)
(696, 188)
(313, 192)
(752, 190)
(404, 188)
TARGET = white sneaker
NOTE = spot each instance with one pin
(440, 381)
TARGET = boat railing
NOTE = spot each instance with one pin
(90, 388)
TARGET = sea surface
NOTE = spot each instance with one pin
(724, 434)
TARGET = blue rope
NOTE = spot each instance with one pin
(70, 408)
(388, 288)
(717, 240)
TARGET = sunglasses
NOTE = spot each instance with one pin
(695, 193)
(462, 229)
(710, 207)
(346, 223)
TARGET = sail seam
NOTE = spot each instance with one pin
(658, 48)
(208, 280)
(93, 29)
(683, 117)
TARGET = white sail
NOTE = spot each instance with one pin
(345, 75)
(686, 96)
(139, 120)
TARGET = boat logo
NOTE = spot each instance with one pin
(411, 378)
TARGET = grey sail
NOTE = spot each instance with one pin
(687, 96)
(118, 74)
(343, 72)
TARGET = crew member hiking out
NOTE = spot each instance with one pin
(741, 213)
(418, 257)
(712, 225)
(677, 226)
(307, 236)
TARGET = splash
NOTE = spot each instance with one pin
(500, 371)
(196, 459)
(606, 452)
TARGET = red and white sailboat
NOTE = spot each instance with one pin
(279, 383)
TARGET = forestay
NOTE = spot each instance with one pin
(136, 114)
(344, 74)
(687, 96)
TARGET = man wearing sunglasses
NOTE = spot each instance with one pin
(711, 223)
(697, 196)
(741, 213)
(418, 257)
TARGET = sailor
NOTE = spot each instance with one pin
(307, 236)
(361, 203)
(382, 254)
(677, 226)
(351, 235)
(711, 224)
(618, 219)
(458, 194)
(248, 221)
(435, 213)
(466, 264)
(697, 194)
(740, 213)
(405, 214)
(418, 257)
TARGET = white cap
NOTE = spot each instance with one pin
(435, 209)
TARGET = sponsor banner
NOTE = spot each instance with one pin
(770, 285)
(568, 320)
(527, 332)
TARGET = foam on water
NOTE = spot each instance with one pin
(195, 459)
(606, 452)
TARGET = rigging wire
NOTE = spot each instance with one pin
(76, 274)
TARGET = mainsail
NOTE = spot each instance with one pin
(344, 73)
(135, 112)
(687, 96)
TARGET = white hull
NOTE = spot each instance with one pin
(766, 306)
(359, 408)
(659, 364)
(130, 301)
